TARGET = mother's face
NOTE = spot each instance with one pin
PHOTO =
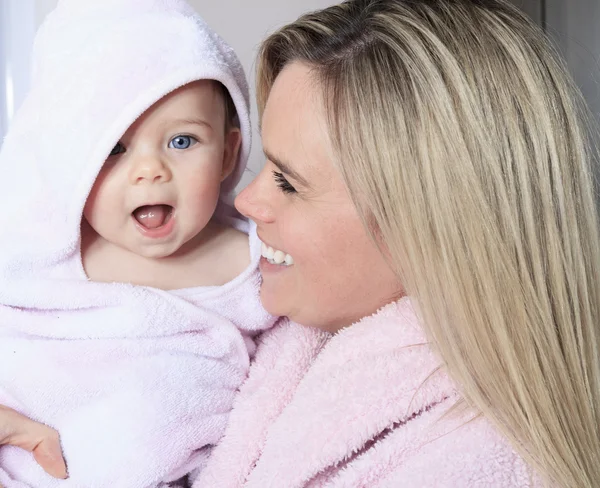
(302, 208)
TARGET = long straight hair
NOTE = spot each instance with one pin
(463, 141)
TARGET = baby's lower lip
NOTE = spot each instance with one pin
(157, 232)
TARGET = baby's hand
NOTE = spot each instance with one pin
(39, 439)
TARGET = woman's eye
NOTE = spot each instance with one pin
(118, 149)
(182, 142)
(283, 183)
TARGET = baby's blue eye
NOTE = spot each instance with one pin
(182, 142)
(118, 149)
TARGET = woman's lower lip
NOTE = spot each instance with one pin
(158, 233)
(267, 267)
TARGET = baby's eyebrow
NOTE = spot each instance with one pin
(194, 121)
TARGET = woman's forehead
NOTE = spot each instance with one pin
(294, 126)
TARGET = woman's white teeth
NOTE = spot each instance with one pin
(270, 254)
(275, 256)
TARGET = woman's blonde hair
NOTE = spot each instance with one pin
(463, 142)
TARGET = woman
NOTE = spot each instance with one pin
(432, 150)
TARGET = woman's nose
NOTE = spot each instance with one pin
(149, 169)
(255, 201)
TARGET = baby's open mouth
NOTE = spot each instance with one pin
(153, 216)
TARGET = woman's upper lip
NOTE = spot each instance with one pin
(276, 248)
(264, 242)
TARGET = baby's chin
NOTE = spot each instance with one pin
(155, 251)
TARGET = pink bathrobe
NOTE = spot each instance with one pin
(356, 410)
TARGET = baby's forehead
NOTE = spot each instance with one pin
(200, 90)
(200, 100)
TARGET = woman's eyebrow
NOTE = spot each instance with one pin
(284, 168)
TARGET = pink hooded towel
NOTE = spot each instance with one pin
(138, 381)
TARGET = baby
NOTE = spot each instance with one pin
(128, 287)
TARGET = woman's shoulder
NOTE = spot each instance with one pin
(378, 389)
(431, 451)
(368, 406)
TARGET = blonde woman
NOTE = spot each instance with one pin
(428, 217)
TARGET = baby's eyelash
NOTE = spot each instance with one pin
(283, 183)
(118, 149)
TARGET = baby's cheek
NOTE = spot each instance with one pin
(202, 189)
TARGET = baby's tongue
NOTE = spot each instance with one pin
(152, 216)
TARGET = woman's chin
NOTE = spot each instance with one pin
(273, 300)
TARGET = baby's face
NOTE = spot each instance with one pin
(160, 186)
